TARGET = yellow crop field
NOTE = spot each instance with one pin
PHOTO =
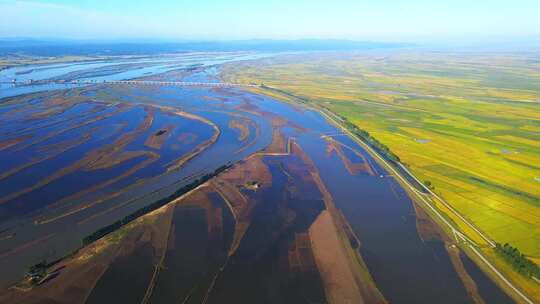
(468, 123)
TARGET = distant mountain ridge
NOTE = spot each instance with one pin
(57, 47)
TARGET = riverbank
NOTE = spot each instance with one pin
(445, 220)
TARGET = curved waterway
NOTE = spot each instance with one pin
(407, 264)
(86, 157)
(110, 70)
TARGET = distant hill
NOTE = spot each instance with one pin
(27, 46)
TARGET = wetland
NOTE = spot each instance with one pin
(298, 212)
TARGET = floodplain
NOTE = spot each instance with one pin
(465, 123)
(288, 186)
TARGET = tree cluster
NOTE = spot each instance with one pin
(518, 261)
(371, 141)
(149, 208)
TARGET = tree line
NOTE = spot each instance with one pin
(518, 261)
(149, 208)
(371, 141)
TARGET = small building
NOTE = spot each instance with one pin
(252, 185)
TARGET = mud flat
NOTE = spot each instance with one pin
(12, 142)
(122, 282)
(345, 275)
(231, 187)
(90, 274)
(242, 127)
(259, 232)
(108, 157)
(157, 139)
(199, 239)
(275, 245)
(167, 254)
(199, 148)
(478, 286)
(361, 166)
(67, 157)
(338, 278)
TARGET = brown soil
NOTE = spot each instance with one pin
(175, 165)
(345, 275)
(75, 278)
(429, 230)
(279, 144)
(213, 99)
(155, 141)
(468, 282)
(101, 200)
(72, 279)
(57, 104)
(12, 142)
(116, 158)
(253, 168)
(49, 152)
(118, 109)
(200, 199)
(103, 157)
(240, 207)
(352, 168)
(113, 154)
(187, 138)
(301, 254)
(248, 123)
(242, 127)
(337, 276)
(82, 207)
(278, 140)
(229, 184)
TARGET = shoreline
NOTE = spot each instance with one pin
(417, 198)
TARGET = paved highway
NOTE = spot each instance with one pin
(422, 197)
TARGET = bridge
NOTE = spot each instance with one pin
(131, 82)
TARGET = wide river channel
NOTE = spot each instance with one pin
(56, 187)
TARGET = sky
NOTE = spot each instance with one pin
(375, 20)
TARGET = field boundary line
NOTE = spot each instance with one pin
(328, 115)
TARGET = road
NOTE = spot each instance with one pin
(420, 195)
(500, 275)
(336, 121)
(454, 211)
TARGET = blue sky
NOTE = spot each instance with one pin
(384, 20)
